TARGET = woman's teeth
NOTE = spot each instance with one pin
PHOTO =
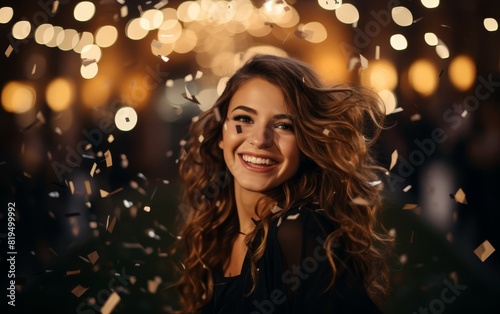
(258, 161)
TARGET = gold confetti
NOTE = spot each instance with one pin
(484, 250)
(200, 138)
(33, 70)
(147, 209)
(103, 193)
(360, 201)
(55, 6)
(394, 159)
(111, 138)
(377, 52)
(111, 303)
(88, 189)
(407, 188)
(460, 197)
(72, 272)
(8, 51)
(464, 113)
(71, 187)
(326, 132)
(153, 284)
(92, 171)
(410, 206)
(93, 257)
(111, 225)
(109, 159)
(79, 290)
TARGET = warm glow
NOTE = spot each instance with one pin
(85, 39)
(442, 51)
(151, 19)
(329, 4)
(125, 119)
(18, 97)
(186, 42)
(380, 75)
(423, 77)
(389, 102)
(170, 30)
(91, 52)
(57, 38)
(59, 94)
(462, 72)
(95, 92)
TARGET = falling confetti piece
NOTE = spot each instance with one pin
(484, 250)
(55, 6)
(93, 257)
(165, 58)
(72, 272)
(410, 206)
(363, 61)
(377, 52)
(460, 197)
(464, 113)
(276, 209)
(111, 138)
(88, 188)
(86, 62)
(358, 200)
(33, 70)
(79, 290)
(8, 51)
(71, 187)
(188, 78)
(92, 171)
(326, 132)
(103, 193)
(109, 159)
(147, 209)
(111, 303)
(415, 117)
(111, 225)
(407, 188)
(394, 159)
(54, 194)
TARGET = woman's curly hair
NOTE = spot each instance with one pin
(335, 128)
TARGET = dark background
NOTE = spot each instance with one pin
(56, 235)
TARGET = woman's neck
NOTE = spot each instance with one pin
(245, 206)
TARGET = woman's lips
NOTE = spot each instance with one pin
(257, 167)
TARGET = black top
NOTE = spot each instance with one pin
(293, 274)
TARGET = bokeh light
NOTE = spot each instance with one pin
(134, 30)
(86, 39)
(89, 71)
(6, 14)
(462, 72)
(347, 13)
(431, 39)
(70, 40)
(44, 33)
(84, 11)
(442, 50)
(18, 97)
(398, 42)
(430, 4)
(402, 16)
(380, 75)
(126, 119)
(60, 94)
(389, 101)
(21, 30)
(423, 77)
(106, 36)
(329, 5)
(151, 19)
(490, 24)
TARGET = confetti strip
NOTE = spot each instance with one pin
(92, 171)
(407, 188)
(326, 132)
(109, 159)
(360, 201)
(111, 303)
(111, 225)
(72, 272)
(88, 189)
(484, 250)
(394, 159)
(410, 206)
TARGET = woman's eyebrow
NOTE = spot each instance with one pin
(253, 111)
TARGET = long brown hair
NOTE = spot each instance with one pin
(335, 131)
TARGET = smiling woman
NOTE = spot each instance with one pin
(288, 233)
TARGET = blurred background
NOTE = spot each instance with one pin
(96, 99)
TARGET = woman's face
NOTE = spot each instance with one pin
(258, 140)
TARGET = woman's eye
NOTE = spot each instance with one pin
(241, 118)
(284, 126)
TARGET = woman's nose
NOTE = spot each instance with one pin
(261, 136)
